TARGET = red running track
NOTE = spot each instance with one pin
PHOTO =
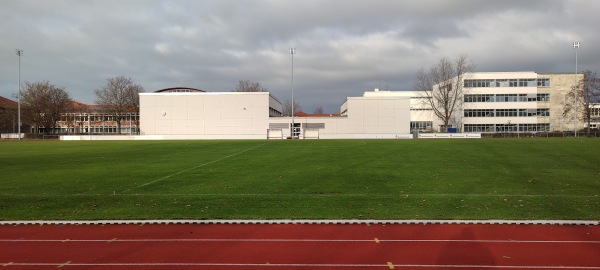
(299, 247)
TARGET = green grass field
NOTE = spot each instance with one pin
(301, 179)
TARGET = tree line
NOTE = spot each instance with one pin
(43, 103)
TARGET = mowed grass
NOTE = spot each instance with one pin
(301, 179)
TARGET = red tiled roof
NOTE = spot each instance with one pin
(7, 103)
(303, 114)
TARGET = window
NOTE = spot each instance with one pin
(543, 112)
(526, 82)
(543, 97)
(507, 98)
(542, 127)
(479, 128)
(479, 98)
(541, 82)
(502, 83)
(507, 113)
(479, 113)
(421, 125)
(534, 127)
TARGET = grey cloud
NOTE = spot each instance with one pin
(343, 47)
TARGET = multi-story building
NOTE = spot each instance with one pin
(517, 102)
(91, 119)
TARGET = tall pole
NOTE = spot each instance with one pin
(292, 52)
(575, 47)
(19, 53)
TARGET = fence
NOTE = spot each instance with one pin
(562, 134)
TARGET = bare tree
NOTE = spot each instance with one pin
(119, 97)
(287, 107)
(588, 93)
(248, 86)
(442, 86)
(43, 104)
(319, 110)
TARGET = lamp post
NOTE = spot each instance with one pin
(292, 52)
(19, 53)
(575, 47)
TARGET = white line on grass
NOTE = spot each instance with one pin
(391, 196)
(193, 168)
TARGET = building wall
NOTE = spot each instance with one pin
(364, 117)
(250, 115)
(561, 85)
(421, 114)
(231, 113)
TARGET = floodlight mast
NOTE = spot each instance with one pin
(575, 88)
(19, 53)
(292, 52)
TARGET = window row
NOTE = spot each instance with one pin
(506, 112)
(77, 117)
(539, 82)
(507, 97)
(507, 127)
(421, 125)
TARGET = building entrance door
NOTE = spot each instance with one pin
(295, 130)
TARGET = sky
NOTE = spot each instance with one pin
(343, 47)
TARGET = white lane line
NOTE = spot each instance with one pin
(193, 168)
(303, 222)
(308, 265)
(114, 240)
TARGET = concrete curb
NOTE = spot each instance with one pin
(303, 221)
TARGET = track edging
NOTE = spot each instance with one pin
(302, 221)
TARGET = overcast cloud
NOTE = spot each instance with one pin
(343, 48)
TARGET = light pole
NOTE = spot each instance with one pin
(292, 52)
(575, 47)
(19, 53)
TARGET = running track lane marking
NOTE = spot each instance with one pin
(193, 168)
(304, 221)
(271, 265)
(311, 240)
(64, 264)
(7, 264)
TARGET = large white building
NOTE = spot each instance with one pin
(492, 102)
(257, 115)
